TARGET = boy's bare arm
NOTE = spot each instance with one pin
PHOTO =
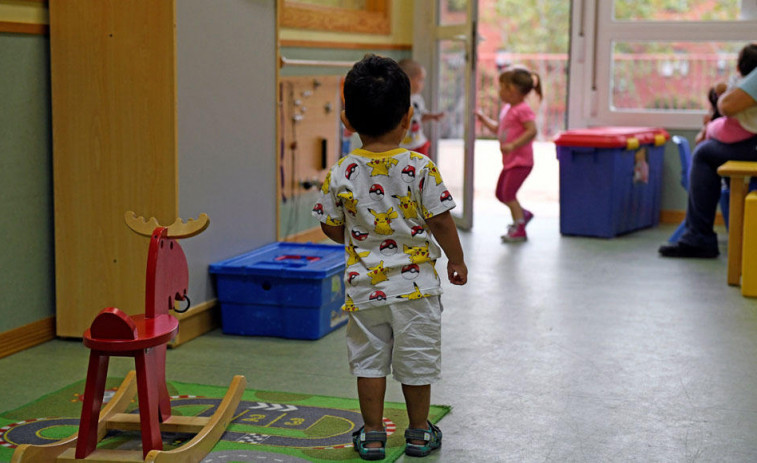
(445, 231)
(335, 233)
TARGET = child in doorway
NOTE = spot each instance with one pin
(390, 207)
(516, 131)
(742, 125)
(415, 139)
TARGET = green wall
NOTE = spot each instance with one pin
(26, 200)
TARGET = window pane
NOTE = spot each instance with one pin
(670, 75)
(451, 97)
(452, 12)
(682, 10)
(451, 100)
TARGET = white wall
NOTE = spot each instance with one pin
(226, 79)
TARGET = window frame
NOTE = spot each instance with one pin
(593, 32)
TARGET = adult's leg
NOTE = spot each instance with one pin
(699, 238)
(704, 188)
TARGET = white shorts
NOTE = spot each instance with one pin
(404, 337)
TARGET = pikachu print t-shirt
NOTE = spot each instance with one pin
(383, 199)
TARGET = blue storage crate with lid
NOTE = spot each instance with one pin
(289, 290)
(610, 179)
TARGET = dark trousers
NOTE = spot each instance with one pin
(705, 186)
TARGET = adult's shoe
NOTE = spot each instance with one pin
(680, 249)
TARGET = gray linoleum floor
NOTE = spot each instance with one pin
(559, 349)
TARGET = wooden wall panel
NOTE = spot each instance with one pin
(114, 148)
(26, 336)
(310, 117)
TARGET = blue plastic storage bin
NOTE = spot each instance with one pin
(610, 179)
(289, 290)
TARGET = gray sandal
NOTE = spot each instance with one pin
(360, 438)
(432, 436)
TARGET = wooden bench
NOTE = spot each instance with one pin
(740, 172)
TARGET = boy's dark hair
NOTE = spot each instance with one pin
(747, 60)
(376, 95)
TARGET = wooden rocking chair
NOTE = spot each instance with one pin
(144, 337)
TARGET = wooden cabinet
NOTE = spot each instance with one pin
(113, 66)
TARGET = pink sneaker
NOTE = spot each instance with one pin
(515, 233)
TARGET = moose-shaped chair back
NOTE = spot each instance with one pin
(167, 276)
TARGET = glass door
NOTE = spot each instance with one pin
(453, 85)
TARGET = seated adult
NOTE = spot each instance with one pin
(699, 238)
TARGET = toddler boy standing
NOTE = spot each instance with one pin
(390, 207)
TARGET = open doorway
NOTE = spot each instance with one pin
(535, 34)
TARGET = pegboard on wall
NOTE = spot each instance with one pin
(310, 139)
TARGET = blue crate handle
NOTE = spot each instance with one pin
(297, 257)
(288, 261)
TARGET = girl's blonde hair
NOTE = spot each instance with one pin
(523, 80)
